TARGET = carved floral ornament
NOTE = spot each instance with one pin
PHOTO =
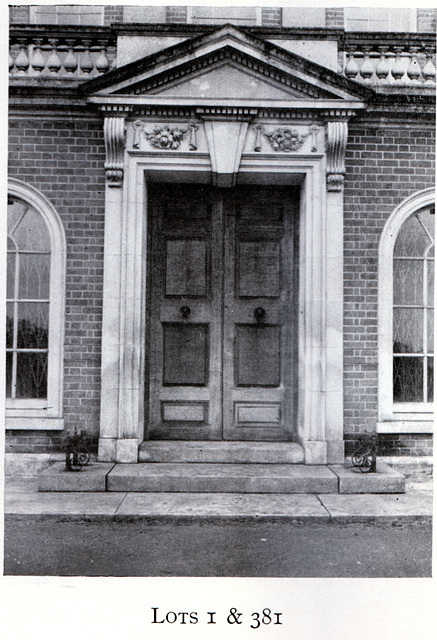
(165, 137)
(168, 138)
(286, 139)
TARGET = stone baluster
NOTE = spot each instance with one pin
(22, 60)
(53, 62)
(414, 71)
(70, 60)
(102, 63)
(86, 63)
(367, 69)
(390, 64)
(428, 71)
(382, 68)
(114, 58)
(351, 68)
(38, 63)
(398, 69)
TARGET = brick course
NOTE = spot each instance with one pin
(19, 14)
(426, 20)
(335, 17)
(271, 17)
(176, 14)
(112, 13)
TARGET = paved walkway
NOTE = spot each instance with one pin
(22, 498)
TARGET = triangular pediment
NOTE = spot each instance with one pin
(227, 80)
(227, 64)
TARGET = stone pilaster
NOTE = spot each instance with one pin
(121, 368)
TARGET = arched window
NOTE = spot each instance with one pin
(406, 317)
(34, 310)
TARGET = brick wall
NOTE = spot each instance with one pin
(176, 14)
(384, 165)
(335, 17)
(403, 444)
(426, 20)
(271, 16)
(112, 13)
(19, 14)
(64, 159)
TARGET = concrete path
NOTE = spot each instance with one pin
(22, 498)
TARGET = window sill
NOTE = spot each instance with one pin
(405, 426)
(34, 424)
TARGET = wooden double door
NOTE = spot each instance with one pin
(222, 299)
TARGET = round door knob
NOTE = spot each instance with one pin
(185, 312)
(260, 314)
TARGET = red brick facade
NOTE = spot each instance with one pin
(385, 163)
(64, 158)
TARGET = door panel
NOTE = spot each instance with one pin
(185, 290)
(223, 304)
(259, 314)
(257, 355)
(186, 268)
(185, 360)
(258, 268)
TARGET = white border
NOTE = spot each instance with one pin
(29, 415)
(412, 418)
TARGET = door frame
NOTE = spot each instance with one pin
(320, 330)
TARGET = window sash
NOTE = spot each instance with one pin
(43, 413)
(403, 415)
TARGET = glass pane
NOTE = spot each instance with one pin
(16, 209)
(407, 330)
(430, 274)
(33, 325)
(34, 278)
(31, 232)
(31, 375)
(408, 379)
(8, 374)
(9, 325)
(430, 379)
(430, 320)
(11, 276)
(427, 218)
(412, 240)
(408, 282)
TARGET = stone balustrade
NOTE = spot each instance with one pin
(72, 52)
(66, 53)
(376, 59)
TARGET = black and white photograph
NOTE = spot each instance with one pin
(220, 297)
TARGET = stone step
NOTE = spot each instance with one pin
(222, 478)
(221, 452)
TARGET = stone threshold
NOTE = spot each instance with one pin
(213, 478)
